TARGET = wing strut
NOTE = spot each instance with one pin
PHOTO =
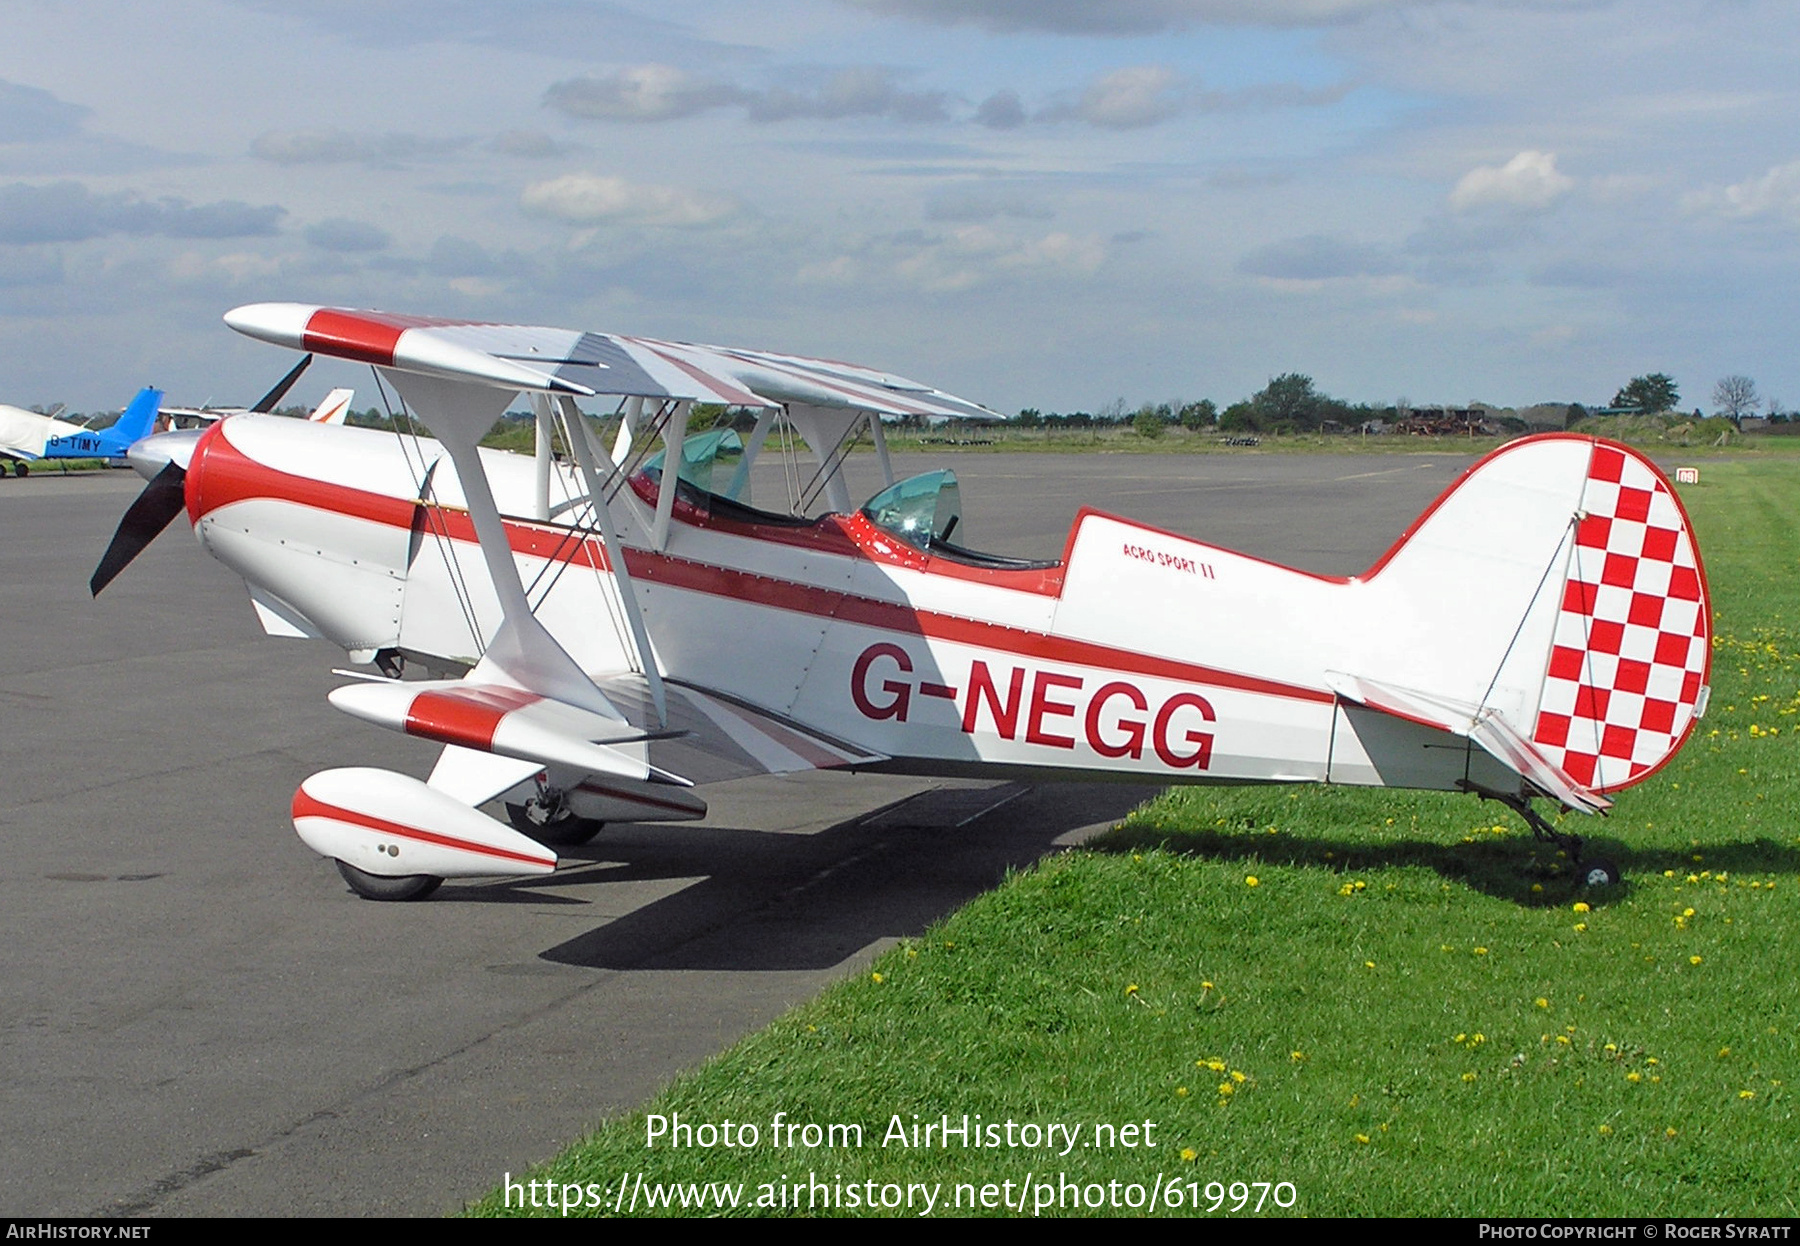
(522, 652)
(580, 442)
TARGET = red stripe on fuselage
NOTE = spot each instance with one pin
(244, 478)
(306, 806)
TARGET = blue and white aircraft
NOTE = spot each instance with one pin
(26, 437)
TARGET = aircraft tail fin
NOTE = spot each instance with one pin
(335, 407)
(1557, 588)
(134, 423)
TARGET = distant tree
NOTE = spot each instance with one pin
(1734, 397)
(1150, 422)
(1649, 394)
(1288, 400)
(1030, 417)
(1576, 412)
(1198, 415)
(1240, 417)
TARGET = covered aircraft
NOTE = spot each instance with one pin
(603, 633)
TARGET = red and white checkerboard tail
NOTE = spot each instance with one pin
(1626, 676)
(1551, 607)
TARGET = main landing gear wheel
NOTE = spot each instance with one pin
(21, 470)
(381, 887)
(557, 830)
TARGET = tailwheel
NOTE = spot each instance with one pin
(550, 822)
(1598, 872)
(381, 887)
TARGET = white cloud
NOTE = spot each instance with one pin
(1529, 181)
(591, 199)
(651, 93)
(1776, 193)
(1131, 98)
(69, 212)
(640, 93)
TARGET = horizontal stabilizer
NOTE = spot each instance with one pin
(1486, 727)
(394, 826)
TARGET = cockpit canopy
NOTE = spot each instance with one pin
(923, 510)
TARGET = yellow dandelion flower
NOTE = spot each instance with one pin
(1237, 1076)
(1252, 881)
(1723, 1052)
(1189, 1154)
(1582, 907)
(1693, 960)
(1634, 1077)
(1206, 986)
(1669, 1132)
(1541, 1002)
(1226, 1090)
(1296, 1055)
(1468, 1077)
(1368, 964)
(1746, 1094)
(1181, 1092)
(1580, 925)
(1363, 1138)
(877, 977)
(1606, 1131)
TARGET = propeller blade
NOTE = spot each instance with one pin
(162, 499)
(267, 402)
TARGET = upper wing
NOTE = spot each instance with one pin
(536, 357)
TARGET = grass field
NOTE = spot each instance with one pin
(1396, 1002)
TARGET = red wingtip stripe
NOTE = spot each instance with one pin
(349, 336)
(465, 716)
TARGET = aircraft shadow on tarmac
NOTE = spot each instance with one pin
(772, 901)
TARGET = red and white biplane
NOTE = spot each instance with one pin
(604, 633)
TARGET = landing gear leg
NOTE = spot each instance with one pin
(547, 818)
(1595, 872)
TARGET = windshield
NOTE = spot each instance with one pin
(922, 510)
(709, 461)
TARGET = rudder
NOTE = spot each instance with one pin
(1627, 672)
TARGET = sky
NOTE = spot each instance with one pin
(1029, 203)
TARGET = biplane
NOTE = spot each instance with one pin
(590, 633)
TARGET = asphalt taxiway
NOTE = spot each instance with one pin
(198, 1018)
